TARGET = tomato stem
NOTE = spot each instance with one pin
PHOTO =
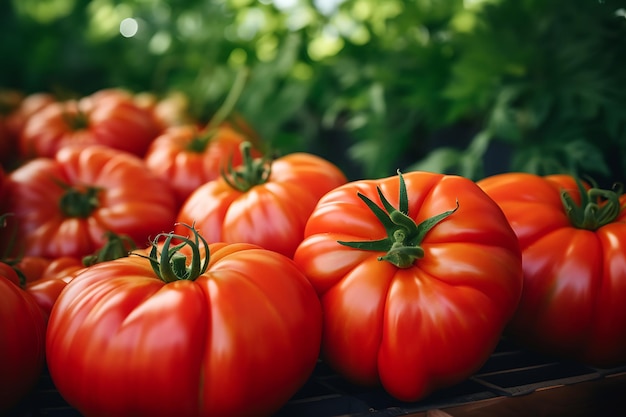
(170, 264)
(597, 207)
(404, 236)
(78, 202)
(251, 172)
(74, 117)
(116, 246)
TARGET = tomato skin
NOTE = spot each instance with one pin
(22, 340)
(240, 340)
(130, 201)
(416, 329)
(106, 118)
(170, 156)
(46, 278)
(272, 215)
(574, 279)
(28, 106)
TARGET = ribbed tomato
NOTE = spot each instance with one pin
(262, 202)
(46, 278)
(66, 206)
(417, 274)
(22, 340)
(106, 117)
(188, 156)
(573, 242)
(204, 330)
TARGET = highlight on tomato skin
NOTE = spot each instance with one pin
(572, 235)
(204, 330)
(418, 275)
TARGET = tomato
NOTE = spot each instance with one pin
(65, 206)
(45, 284)
(235, 332)
(266, 204)
(416, 293)
(22, 340)
(573, 243)
(188, 156)
(107, 118)
(168, 111)
(51, 280)
(28, 106)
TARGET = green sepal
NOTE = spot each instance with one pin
(597, 207)
(170, 264)
(404, 236)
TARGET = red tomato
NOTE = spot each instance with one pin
(46, 278)
(28, 106)
(264, 204)
(32, 267)
(50, 278)
(66, 206)
(234, 334)
(573, 244)
(107, 118)
(22, 340)
(415, 294)
(188, 156)
(168, 111)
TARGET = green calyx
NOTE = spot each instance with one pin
(404, 236)
(171, 265)
(76, 120)
(597, 207)
(78, 202)
(116, 246)
(251, 172)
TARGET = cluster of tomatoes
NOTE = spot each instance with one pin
(161, 267)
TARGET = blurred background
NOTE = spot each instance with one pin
(471, 87)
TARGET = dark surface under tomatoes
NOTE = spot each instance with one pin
(510, 373)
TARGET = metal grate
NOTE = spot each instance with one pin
(510, 371)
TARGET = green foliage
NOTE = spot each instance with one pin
(448, 86)
(544, 77)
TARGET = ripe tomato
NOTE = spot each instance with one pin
(234, 332)
(168, 111)
(45, 278)
(573, 243)
(266, 204)
(28, 106)
(188, 156)
(52, 275)
(107, 118)
(66, 205)
(22, 340)
(415, 294)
